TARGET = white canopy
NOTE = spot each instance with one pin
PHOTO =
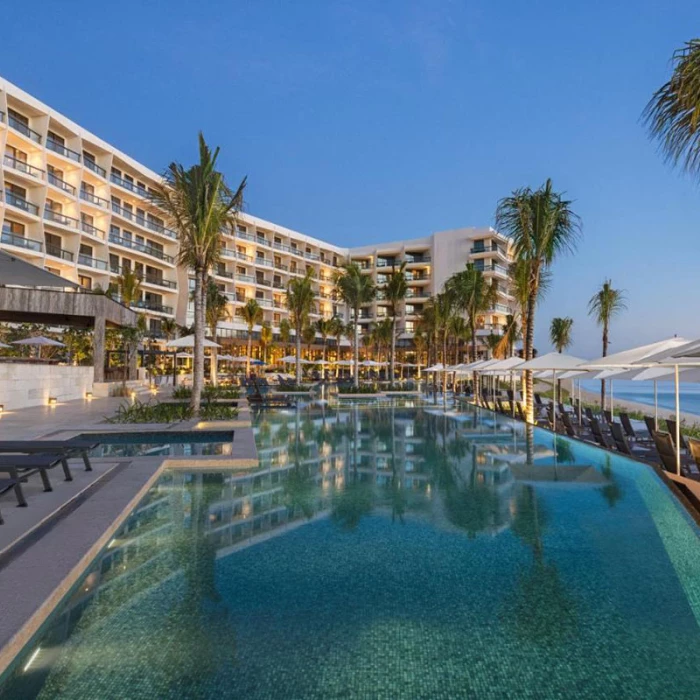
(555, 361)
(3, 345)
(345, 363)
(372, 363)
(508, 365)
(288, 359)
(39, 340)
(641, 354)
(187, 341)
(436, 368)
(184, 356)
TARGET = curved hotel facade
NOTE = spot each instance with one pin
(75, 205)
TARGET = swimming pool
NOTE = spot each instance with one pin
(393, 552)
(161, 443)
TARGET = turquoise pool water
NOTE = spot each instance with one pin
(163, 444)
(387, 551)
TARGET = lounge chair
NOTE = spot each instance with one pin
(69, 448)
(672, 431)
(667, 454)
(5, 486)
(23, 466)
(694, 447)
(569, 426)
(651, 425)
(588, 412)
(538, 401)
(599, 436)
(622, 444)
(630, 432)
(520, 411)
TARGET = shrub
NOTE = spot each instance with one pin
(215, 411)
(362, 389)
(140, 412)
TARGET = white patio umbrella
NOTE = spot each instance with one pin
(554, 362)
(187, 341)
(506, 367)
(3, 345)
(184, 356)
(39, 341)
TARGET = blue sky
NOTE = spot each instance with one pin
(368, 121)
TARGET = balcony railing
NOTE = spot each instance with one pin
(264, 262)
(130, 215)
(267, 303)
(61, 184)
(412, 295)
(412, 259)
(412, 277)
(151, 306)
(279, 266)
(245, 278)
(23, 167)
(224, 273)
(141, 247)
(128, 185)
(62, 219)
(94, 199)
(263, 282)
(91, 165)
(501, 308)
(92, 230)
(154, 279)
(58, 252)
(279, 285)
(21, 203)
(92, 262)
(384, 262)
(24, 129)
(20, 241)
(59, 148)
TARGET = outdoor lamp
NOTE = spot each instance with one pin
(88, 395)
(52, 401)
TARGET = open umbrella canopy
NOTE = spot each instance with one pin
(184, 356)
(643, 353)
(39, 340)
(223, 358)
(3, 345)
(187, 341)
(372, 363)
(439, 367)
(507, 365)
(243, 359)
(553, 361)
(288, 359)
(345, 363)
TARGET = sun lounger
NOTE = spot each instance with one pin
(672, 432)
(623, 446)
(599, 436)
(694, 447)
(651, 425)
(5, 486)
(23, 466)
(667, 454)
(630, 432)
(70, 447)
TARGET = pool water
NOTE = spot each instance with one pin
(162, 444)
(392, 552)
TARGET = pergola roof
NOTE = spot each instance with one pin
(17, 272)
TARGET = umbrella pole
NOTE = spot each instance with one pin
(554, 400)
(678, 423)
(512, 388)
(656, 408)
(579, 402)
(612, 414)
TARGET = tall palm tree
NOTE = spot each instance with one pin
(169, 328)
(201, 206)
(511, 334)
(337, 330)
(217, 308)
(308, 335)
(129, 285)
(603, 306)
(300, 303)
(473, 295)
(324, 327)
(252, 314)
(420, 343)
(285, 334)
(560, 333)
(355, 289)
(395, 293)
(541, 225)
(443, 305)
(673, 113)
(265, 339)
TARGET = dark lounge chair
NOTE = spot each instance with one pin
(667, 454)
(5, 486)
(622, 444)
(608, 417)
(651, 425)
(599, 436)
(694, 447)
(520, 412)
(630, 432)
(23, 466)
(68, 448)
(569, 426)
(672, 432)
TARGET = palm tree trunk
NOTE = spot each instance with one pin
(199, 323)
(356, 350)
(250, 349)
(605, 354)
(298, 358)
(529, 340)
(393, 349)
(475, 376)
(444, 374)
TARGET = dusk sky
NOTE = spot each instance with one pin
(360, 122)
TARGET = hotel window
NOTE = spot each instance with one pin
(85, 282)
(240, 249)
(54, 244)
(278, 261)
(16, 190)
(292, 266)
(16, 154)
(259, 295)
(18, 117)
(89, 158)
(114, 262)
(86, 250)
(117, 173)
(278, 240)
(126, 265)
(276, 319)
(240, 270)
(241, 229)
(52, 136)
(410, 309)
(55, 207)
(141, 185)
(13, 227)
(87, 219)
(87, 188)
(52, 270)
(294, 246)
(129, 179)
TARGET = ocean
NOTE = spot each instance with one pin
(643, 392)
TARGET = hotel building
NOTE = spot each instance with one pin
(78, 207)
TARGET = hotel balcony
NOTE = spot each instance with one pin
(141, 248)
(61, 219)
(85, 227)
(58, 252)
(152, 306)
(132, 187)
(224, 274)
(61, 184)
(23, 168)
(247, 279)
(20, 203)
(155, 280)
(23, 129)
(145, 223)
(417, 259)
(21, 242)
(91, 165)
(93, 199)
(62, 150)
(94, 263)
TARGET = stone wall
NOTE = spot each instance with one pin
(25, 384)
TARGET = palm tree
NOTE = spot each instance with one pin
(324, 327)
(673, 113)
(201, 206)
(265, 338)
(337, 330)
(252, 314)
(603, 306)
(285, 334)
(472, 294)
(541, 225)
(354, 289)
(308, 335)
(420, 343)
(560, 333)
(443, 306)
(169, 328)
(511, 333)
(217, 308)
(129, 285)
(300, 303)
(395, 293)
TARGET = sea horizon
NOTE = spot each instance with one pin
(643, 392)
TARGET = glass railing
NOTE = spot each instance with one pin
(92, 230)
(263, 282)
(416, 278)
(141, 247)
(59, 148)
(19, 241)
(245, 278)
(151, 306)
(24, 129)
(280, 266)
(412, 259)
(94, 199)
(154, 279)
(23, 167)
(383, 262)
(267, 303)
(502, 308)
(59, 218)
(126, 213)
(58, 252)
(478, 249)
(155, 226)
(128, 185)
(61, 184)
(21, 203)
(279, 285)
(263, 262)
(224, 273)
(92, 262)
(499, 268)
(91, 165)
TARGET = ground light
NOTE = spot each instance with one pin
(52, 401)
(88, 395)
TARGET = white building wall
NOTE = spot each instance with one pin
(28, 384)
